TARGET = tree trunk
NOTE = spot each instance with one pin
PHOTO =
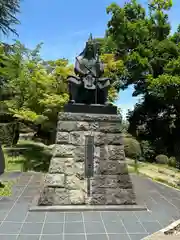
(2, 163)
(177, 154)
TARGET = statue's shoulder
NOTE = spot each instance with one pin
(79, 57)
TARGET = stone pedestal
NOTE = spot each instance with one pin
(65, 183)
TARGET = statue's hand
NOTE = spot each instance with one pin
(89, 74)
(92, 74)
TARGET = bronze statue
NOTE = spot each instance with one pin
(88, 86)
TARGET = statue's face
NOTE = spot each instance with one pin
(90, 48)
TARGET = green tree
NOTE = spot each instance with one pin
(38, 92)
(106, 45)
(8, 11)
(151, 58)
(114, 69)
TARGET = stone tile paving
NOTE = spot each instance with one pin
(17, 223)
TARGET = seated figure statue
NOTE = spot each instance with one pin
(88, 86)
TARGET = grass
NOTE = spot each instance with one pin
(25, 156)
(6, 191)
(150, 169)
(13, 163)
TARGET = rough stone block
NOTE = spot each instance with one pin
(111, 181)
(55, 180)
(61, 196)
(62, 137)
(46, 197)
(74, 183)
(124, 181)
(53, 196)
(109, 127)
(57, 165)
(98, 190)
(88, 126)
(63, 151)
(83, 117)
(113, 139)
(77, 138)
(99, 138)
(79, 170)
(79, 154)
(62, 165)
(111, 168)
(120, 196)
(66, 126)
(107, 139)
(93, 126)
(82, 126)
(70, 126)
(98, 199)
(76, 197)
(69, 166)
(112, 152)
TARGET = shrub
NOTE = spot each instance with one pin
(148, 153)
(162, 159)
(172, 162)
(132, 148)
(6, 134)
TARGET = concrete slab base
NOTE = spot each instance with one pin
(78, 208)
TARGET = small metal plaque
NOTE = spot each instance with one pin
(89, 156)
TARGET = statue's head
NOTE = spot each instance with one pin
(89, 50)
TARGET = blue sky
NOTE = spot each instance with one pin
(64, 26)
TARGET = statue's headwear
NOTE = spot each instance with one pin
(90, 41)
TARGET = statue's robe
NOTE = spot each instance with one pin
(82, 66)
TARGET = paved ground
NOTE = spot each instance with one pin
(17, 223)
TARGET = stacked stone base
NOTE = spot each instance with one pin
(66, 184)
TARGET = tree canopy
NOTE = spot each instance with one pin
(38, 87)
(8, 12)
(151, 57)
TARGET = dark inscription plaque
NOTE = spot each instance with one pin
(89, 160)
